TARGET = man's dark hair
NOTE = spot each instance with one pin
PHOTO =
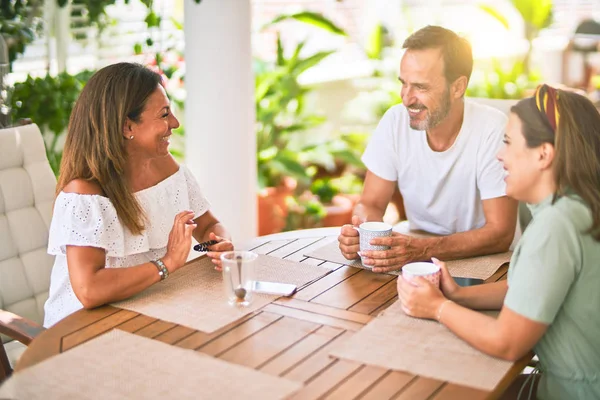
(458, 57)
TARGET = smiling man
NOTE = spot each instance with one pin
(440, 149)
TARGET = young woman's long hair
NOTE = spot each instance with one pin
(95, 143)
(571, 123)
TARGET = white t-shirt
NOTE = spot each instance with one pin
(442, 191)
(91, 220)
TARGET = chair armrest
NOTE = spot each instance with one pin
(19, 328)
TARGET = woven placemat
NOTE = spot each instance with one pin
(421, 347)
(194, 295)
(121, 365)
(475, 267)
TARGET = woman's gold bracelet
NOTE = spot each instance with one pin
(439, 313)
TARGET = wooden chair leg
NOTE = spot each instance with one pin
(5, 369)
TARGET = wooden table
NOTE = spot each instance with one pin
(290, 337)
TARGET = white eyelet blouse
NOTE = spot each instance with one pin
(91, 220)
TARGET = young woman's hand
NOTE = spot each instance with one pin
(180, 241)
(447, 284)
(419, 297)
(215, 251)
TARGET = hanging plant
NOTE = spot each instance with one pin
(20, 23)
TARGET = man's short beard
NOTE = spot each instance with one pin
(435, 117)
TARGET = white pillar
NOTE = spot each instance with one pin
(62, 33)
(219, 110)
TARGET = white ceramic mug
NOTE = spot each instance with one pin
(426, 270)
(370, 230)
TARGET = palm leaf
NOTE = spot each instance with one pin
(375, 43)
(311, 18)
(494, 12)
(311, 61)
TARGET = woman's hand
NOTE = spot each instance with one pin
(447, 283)
(180, 241)
(419, 297)
(216, 249)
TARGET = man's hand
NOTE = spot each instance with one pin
(403, 250)
(349, 239)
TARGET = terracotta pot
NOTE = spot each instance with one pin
(272, 208)
(339, 212)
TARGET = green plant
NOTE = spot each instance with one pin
(20, 23)
(304, 211)
(48, 102)
(325, 189)
(280, 114)
(536, 15)
(501, 82)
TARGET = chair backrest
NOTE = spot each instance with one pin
(27, 186)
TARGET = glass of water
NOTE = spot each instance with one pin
(239, 268)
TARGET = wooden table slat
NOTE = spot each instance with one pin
(419, 388)
(198, 339)
(376, 299)
(328, 380)
(239, 333)
(313, 317)
(175, 334)
(310, 261)
(388, 386)
(297, 246)
(314, 243)
(90, 331)
(272, 245)
(360, 382)
(457, 392)
(261, 347)
(155, 329)
(136, 323)
(355, 288)
(499, 274)
(301, 350)
(322, 285)
(324, 310)
(385, 305)
(49, 342)
(316, 362)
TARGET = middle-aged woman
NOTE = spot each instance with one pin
(125, 211)
(551, 302)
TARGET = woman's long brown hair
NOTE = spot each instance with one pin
(577, 147)
(95, 143)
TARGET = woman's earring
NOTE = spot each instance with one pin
(130, 137)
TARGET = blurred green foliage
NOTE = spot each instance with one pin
(280, 114)
(503, 82)
(48, 102)
(20, 23)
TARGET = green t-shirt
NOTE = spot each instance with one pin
(554, 278)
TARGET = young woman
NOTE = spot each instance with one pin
(125, 211)
(551, 302)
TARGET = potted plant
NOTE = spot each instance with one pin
(281, 122)
(337, 208)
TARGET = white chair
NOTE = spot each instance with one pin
(27, 186)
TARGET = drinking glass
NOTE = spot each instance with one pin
(238, 276)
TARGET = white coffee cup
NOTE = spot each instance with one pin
(370, 230)
(426, 270)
